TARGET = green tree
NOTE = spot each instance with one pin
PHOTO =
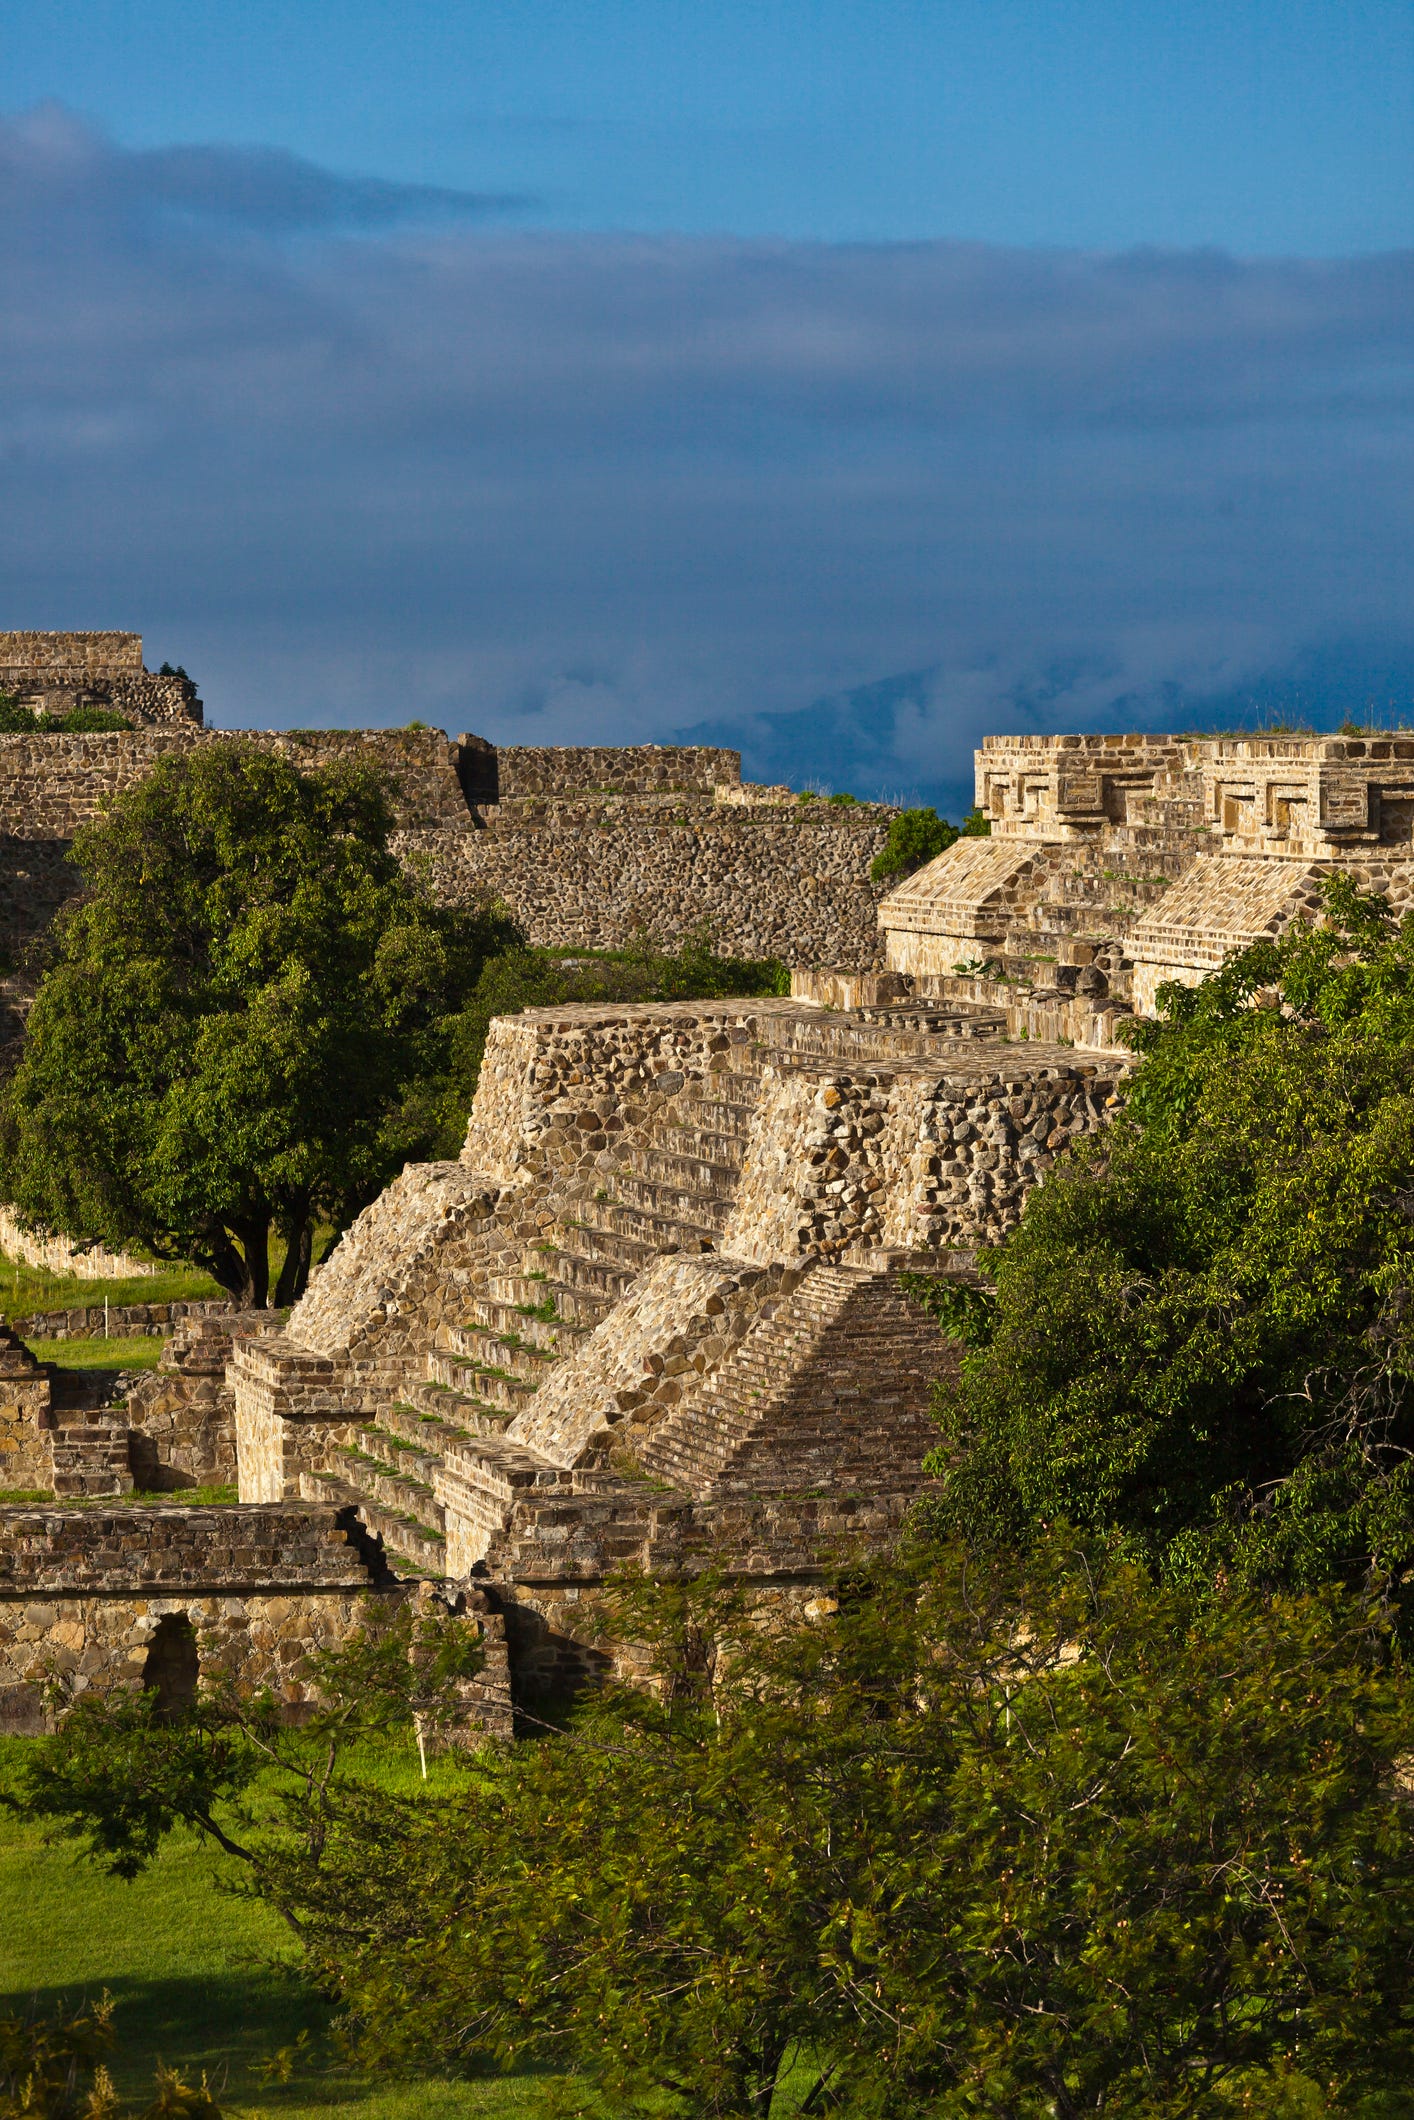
(987, 1834)
(1201, 1332)
(919, 836)
(234, 1009)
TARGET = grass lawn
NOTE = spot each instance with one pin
(143, 1351)
(24, 1289)
(201, 1979)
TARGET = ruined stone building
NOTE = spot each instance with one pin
(663, 1307)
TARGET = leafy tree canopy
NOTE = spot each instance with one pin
(1202, 1332)
(919, 836)
(233, 1011)
(986, 1835)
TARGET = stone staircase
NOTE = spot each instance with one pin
(836, 1382)
(88, 1450)
(834, 1385)
(671, 1192)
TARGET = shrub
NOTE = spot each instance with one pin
(1201, 1335)
(915, 837)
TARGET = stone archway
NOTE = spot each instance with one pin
(172, 1667)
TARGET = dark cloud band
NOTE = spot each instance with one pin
(553, 486)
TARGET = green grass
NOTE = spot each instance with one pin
(201, 1978)
(142, 1352)
(25, 1289)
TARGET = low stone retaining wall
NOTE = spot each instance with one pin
(124, 1321)
(59, 1254)
(83, 1593)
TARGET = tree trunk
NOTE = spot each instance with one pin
(254, 1237)
(294, 1274)
(224, 1263)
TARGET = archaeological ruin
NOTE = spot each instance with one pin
(664, 1308)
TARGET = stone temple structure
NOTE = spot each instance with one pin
(663, 1308)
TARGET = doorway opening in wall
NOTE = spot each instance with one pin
(172, 1668)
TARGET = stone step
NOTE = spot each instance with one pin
(723, 1149)
(453, 1411)
(403, 1492)
(489, 1388)
(498, 1351)
(90, 1457)
(586, 1269)
(406, 1457)
(582, 1309)
(592, 1233)
(700, 1213)
(636, 1235)
(716, 1116)
(525, 1321)
(689, 1174)
(419, 1543)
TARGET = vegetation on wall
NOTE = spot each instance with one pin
(17, 720)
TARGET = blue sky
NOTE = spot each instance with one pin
(844, 380)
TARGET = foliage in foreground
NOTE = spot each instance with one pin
(55, 2068)
(1202, 1332)
(989, 1837)
(123, 1769)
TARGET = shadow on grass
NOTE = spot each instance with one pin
(233, 2028)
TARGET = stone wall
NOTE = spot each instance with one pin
(43, 1247)
(82, 1593)
(598, 868)
(558, 1085)
(631, 769)
(552, 1591)
(26, 1451)
(120, 1321)
(181, 1416)
(768, 882)
(91, 654)
(50, 785)
(56, 672)
(909, 1158)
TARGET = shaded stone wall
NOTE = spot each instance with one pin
(82, 1593)
(181, 1416)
